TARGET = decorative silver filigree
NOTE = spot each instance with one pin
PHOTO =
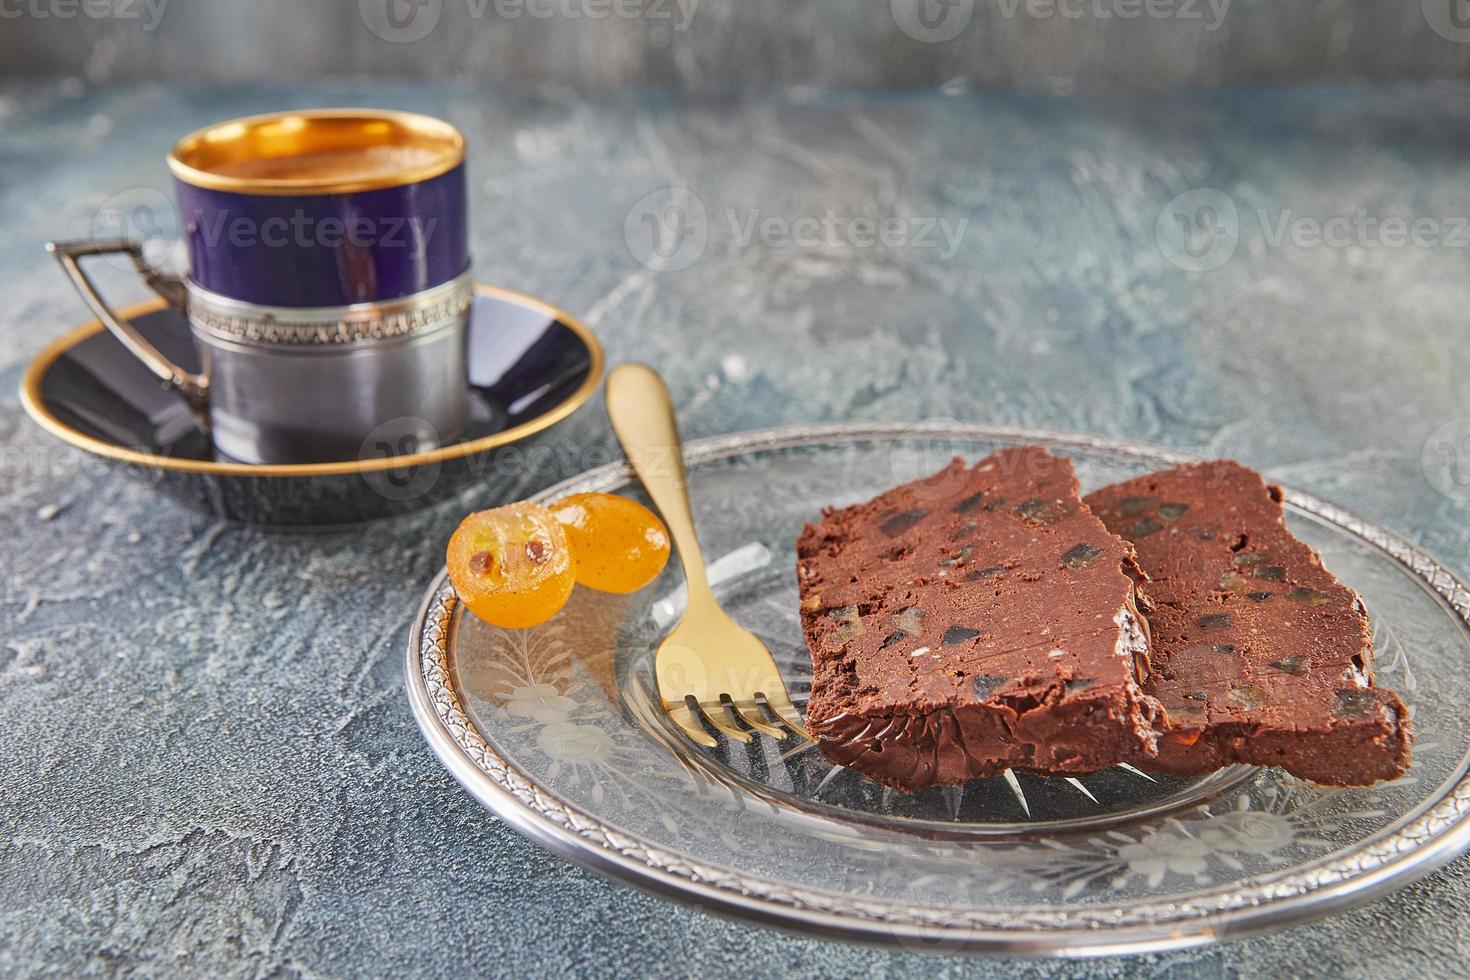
(419, 314)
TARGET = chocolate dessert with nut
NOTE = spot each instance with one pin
(1260, 655)
(972, 621)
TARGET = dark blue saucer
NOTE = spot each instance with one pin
(531, 365)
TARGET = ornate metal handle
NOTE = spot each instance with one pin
(194, 387)
(642, 415)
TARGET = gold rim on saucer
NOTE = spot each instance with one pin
(220, 157)
(30, 397)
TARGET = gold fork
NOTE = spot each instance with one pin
(708, 666)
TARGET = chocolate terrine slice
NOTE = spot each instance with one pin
(1259, 654)
(971, 621)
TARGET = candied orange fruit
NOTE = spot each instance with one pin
(511, 565)
(617, 544)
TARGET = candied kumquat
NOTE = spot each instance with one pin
(617, 544)
(511, 566)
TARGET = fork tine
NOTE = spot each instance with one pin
(779, 704)
(750, 713)
(716, 716)
(788, 729)
(688, 722)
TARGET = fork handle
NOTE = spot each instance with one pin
(642, 415)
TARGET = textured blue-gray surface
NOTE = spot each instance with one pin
(208, 764)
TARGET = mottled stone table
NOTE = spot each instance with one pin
(208, 764)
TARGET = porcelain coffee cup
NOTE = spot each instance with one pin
(329, 290)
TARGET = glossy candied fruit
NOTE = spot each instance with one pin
(511, 565)
(617, 544)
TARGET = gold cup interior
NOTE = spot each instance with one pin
(324, 151)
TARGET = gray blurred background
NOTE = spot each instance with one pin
(722, 44)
